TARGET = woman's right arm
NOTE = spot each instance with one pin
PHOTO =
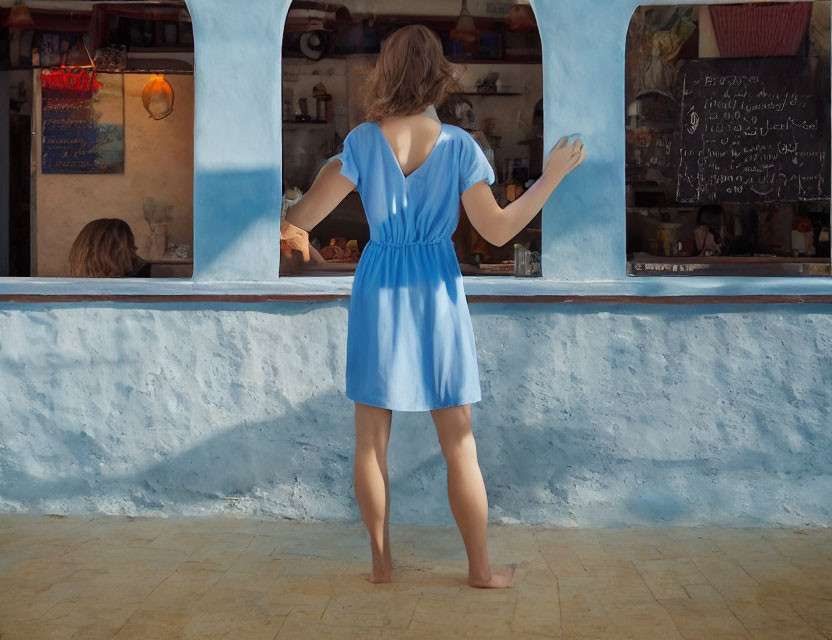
(498, 225)
(328, 189)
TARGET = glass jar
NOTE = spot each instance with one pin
(520, 259)
(668, 238)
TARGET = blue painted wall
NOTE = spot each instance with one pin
(592, 414)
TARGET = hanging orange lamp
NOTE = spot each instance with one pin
(19, 17)
(157, 97)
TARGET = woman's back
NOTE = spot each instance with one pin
(412, 138)
(410, 173)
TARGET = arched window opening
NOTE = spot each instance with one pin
(100, 152)
(728, 140)
(327, 52)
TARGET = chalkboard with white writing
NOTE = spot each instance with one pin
(752, 130)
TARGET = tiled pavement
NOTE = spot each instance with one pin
(89, 577)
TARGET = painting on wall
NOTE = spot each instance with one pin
(83, 121)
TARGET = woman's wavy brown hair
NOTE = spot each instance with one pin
(411, 73)
(103, 249)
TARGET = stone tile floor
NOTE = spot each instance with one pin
(89, 577)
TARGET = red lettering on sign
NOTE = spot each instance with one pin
(80, 80)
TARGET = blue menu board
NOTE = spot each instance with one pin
(82, 121)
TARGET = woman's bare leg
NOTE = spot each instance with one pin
(466, 494)
(372, 489)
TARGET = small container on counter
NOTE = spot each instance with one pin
(520, 259)
(526, 263)
(668, 238)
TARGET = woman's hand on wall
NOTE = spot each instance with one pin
(564, 157)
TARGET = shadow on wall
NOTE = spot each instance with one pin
(297, 466)
(655, 414)
(237, 224)
(591, 416)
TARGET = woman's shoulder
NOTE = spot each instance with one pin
(455, 130)
(362, 132)
(358, 134)
(459, 135)
(360, 128)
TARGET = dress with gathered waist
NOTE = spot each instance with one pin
(410, 342)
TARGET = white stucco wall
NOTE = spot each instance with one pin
(592, 415)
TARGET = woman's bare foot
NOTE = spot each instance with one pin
(500, 578)
(383, 577)
(381, 571)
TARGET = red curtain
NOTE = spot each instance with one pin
(762, 29)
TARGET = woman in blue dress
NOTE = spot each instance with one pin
(410, 343)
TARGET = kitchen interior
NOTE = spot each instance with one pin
(727, 163)
(328, 49)
(99, 98)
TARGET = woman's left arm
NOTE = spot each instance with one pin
(326, 192)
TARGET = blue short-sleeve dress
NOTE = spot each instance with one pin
(410, 343)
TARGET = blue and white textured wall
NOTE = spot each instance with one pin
(593, 413)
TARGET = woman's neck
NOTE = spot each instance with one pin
(429, 112)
